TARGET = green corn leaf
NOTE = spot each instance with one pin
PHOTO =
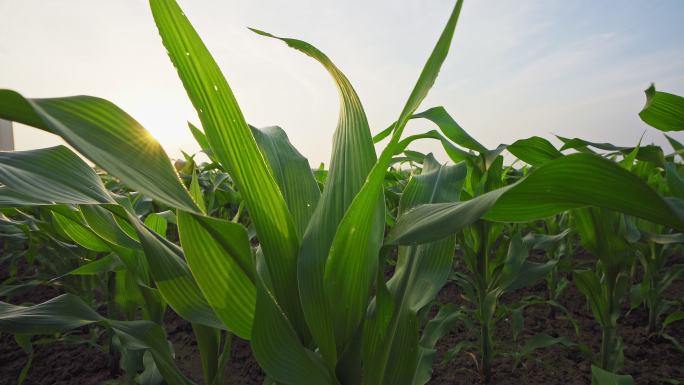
(354, 249)
(451, 129)
(24, 341)
(663, 111)
(54, 174)
(73, 225)
(435, 329)
(103, 223)
(544, 242)
(107, 263)
(604, 377)
(575, 180)
(588, 282)
(455, 154)
(196, 193)
(151, 337)
(542, 340)
(534, 151)
(157, 223)
(220, 258)
(57, 315)
(106, 135)
(675, 182)
(209, 346)
(676, 146)
(68, 312)
(277, 347)
(391, 354)
(173, 277)
(673, 317)
(292, 172)
(11, 198)
(200, 138)
(517, 271)
(650, 153)
(353, 156)
(233, 144)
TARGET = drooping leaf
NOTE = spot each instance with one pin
(650, 153)
(663, 111)
(68, 312)
(435, 329)
(107, 263)
(54, 175)
(534, 151)
(575, 180)
(675, 182)
(451, 129)
(353, 155)
(106, 135)
(11, 198)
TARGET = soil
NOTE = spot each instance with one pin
(649, 360)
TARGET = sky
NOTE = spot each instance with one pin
(515, 69)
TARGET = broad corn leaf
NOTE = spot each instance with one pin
(54, 175)
(233, 144)
(353, 156)
(106, 135)
(573, 181)
(219, 256)
(354, 249)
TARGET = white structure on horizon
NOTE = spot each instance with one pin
(6, 136)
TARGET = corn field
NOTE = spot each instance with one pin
(377, 268)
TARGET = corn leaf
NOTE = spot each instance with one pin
(54, 174)
(233, 144)
(451, 129)
(292, 172)
(575, 180)
(102, 222)
(435, 329)
(663, 111)
(73, 225)
(650, 153)
(106, 135)
(391, 354)
(604, 377)
(354, 249)
(534, 151)
(11, 198)
(68, 312)
(173, 277)
(517, 271)
(277, 346)
(219, 256)
(353, 156)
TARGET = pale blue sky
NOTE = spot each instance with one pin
(516, 68)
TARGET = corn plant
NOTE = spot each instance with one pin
(603, 233)
(311, 296)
